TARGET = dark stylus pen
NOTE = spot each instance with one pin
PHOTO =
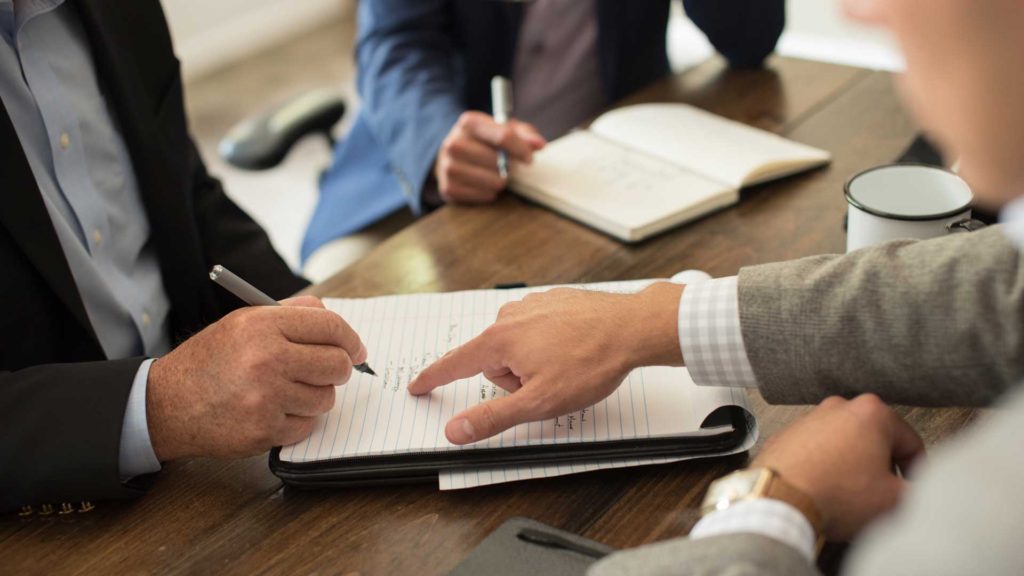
(254, 297)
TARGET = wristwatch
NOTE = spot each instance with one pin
(754, 483)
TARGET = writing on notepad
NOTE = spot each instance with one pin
(404, 334)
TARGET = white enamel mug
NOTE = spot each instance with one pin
(902, 201)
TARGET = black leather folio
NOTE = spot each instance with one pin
(524, 547)
(409, 467)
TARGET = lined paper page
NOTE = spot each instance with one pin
(475, 477)
(403, 334)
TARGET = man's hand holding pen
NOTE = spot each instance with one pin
(251, 381)
(467, 163)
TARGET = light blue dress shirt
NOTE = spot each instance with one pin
(49, 86)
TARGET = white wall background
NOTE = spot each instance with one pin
(210, 34)
(816, 29)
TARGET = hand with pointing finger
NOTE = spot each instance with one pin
(467, 163)
(557, 352)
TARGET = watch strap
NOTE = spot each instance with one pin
(780, 489)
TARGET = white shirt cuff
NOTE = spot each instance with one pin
(763, 516)
(710, 335)
(136, 455)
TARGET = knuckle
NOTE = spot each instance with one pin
(508, 309)
(831, 401)
(297, 431)
(495, 334)
(345, 369)
(455, 147)
(326, 399)
(467, 118)
(871, 404)
(447, 166)
(254, 401)
(539, 406)
(489, 418)
(264, 439)
(242, 321)
(507, 136)
(446, 148)
(259, 363)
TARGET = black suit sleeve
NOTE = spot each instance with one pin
(230, 237)
(62, 432)
(744, 31)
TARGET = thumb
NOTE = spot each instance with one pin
(490, 418)
(303, 301)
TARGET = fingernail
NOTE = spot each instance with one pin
(461, 431)
(361, 357)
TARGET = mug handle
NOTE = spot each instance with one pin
(965, 225)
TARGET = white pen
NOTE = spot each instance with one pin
(501, 107)
(255, 297)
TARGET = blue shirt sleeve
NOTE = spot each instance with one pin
(136, 454)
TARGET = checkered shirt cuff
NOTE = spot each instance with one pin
(710, 335)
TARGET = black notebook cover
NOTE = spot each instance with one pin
(425, 466)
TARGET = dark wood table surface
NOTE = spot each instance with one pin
(205, 516)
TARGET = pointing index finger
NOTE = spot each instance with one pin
(463, 362)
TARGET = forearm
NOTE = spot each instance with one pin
(921, 323)
(410, 78)
(62, 430)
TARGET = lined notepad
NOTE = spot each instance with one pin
(375, 416)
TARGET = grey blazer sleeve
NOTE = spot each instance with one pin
(928, 323)
(732, 555)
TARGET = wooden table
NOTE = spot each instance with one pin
(207, 516)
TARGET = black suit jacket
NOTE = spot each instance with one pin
(62, 402)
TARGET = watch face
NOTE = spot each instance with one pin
(735, 487)
(738, 485)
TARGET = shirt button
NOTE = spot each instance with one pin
(146, 320)
(65, 141)
(97, 237)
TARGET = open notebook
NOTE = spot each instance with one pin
(643, 169)
(378, 433)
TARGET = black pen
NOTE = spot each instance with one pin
(254, 297)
